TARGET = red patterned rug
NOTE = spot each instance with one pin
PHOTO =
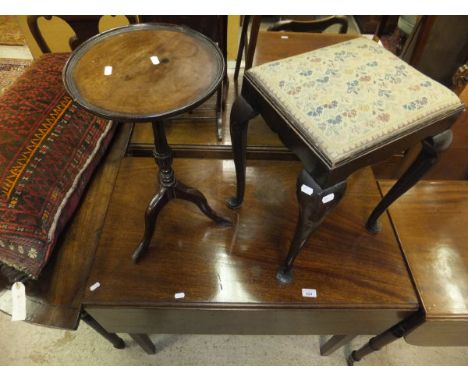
(10, 70)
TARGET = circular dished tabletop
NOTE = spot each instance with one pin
(144, 72)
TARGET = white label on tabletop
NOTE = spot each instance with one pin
(107, 70)
(328, 198)
(93, 287)
(154, 60)
(307, 190)
(18, 301)
(284, 37)
(179, 295)
(312, 293)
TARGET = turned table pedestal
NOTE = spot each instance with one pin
(148, 72)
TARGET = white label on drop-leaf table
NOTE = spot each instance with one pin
(312, 293)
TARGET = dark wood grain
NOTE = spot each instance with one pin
(248, 320)
(55, 299)
(217, 152)
(431, 221)
(230, 269)
(156, 70)
(188, 129)
(271, 46)
(314, 26)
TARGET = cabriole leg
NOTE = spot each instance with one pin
(315, 204)
(421, 165)
(241, 114)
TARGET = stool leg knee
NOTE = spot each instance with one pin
(421, 165)
(314, 205)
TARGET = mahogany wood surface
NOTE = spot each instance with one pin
(273, 46)
(318, 25)
(144, 71)
(431, 221)
(55, 298)
(190, 130)
(228, 274)
(270, 46)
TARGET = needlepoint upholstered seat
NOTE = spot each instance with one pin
(340, 108)
(351, 97)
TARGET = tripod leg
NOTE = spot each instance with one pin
(193, 195)
(421, 165)
(151, 214)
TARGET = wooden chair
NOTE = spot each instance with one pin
(315, 26)
(83, 26)
(249, 45)
(317, 102)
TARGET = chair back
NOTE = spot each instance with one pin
(84, 27)
(316, 26)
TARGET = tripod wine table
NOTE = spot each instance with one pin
(148, 73)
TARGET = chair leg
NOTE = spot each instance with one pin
(242, 44)
(113, 338)
(378, 342)
(254, 29)
(421, 165)
(241, 114)
(334, 343)
(144, 341)
(314, 205)
(219, 112)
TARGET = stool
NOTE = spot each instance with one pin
(340, 108)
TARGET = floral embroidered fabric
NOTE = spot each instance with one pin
(353, 96)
